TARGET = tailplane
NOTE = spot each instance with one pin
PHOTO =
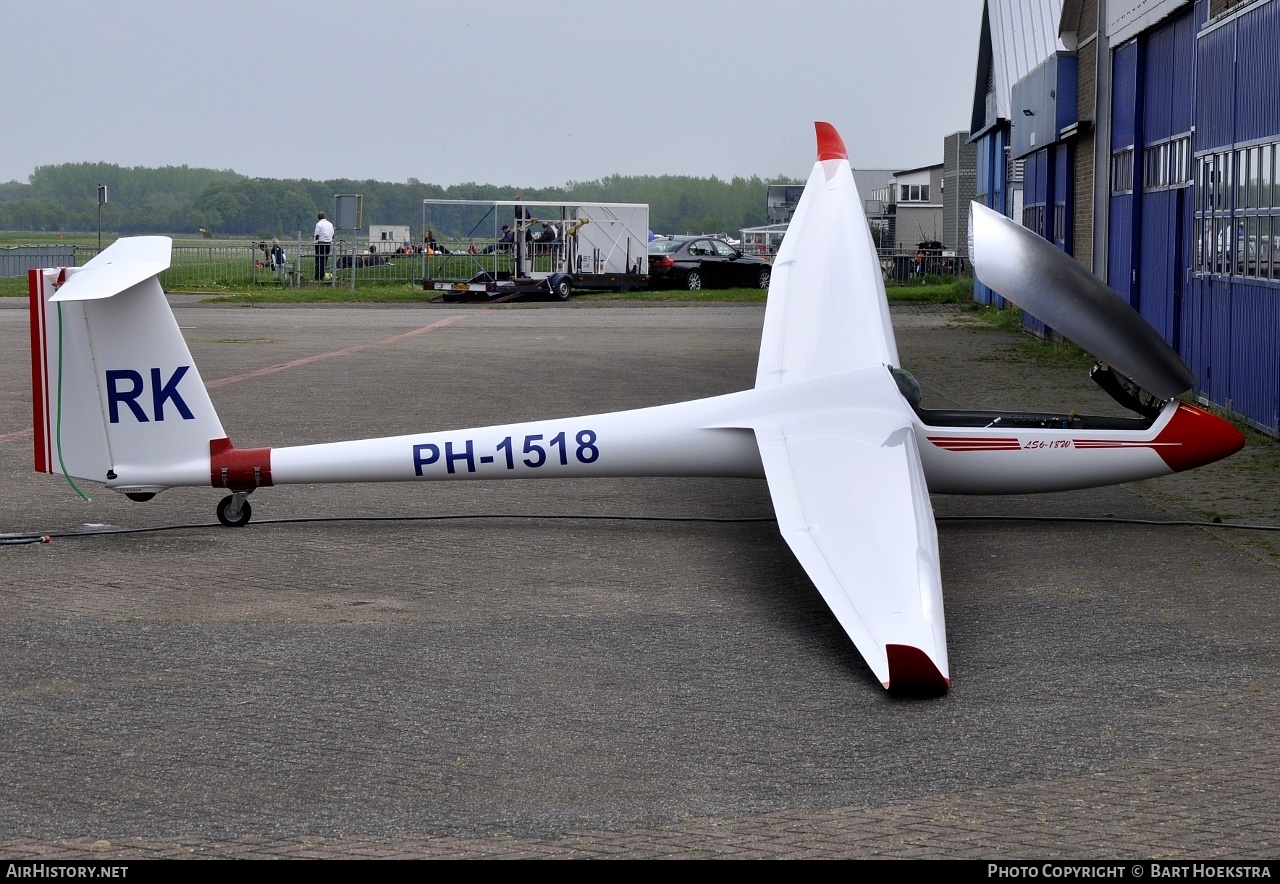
(117, 398)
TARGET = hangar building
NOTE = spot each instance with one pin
(1142, 137)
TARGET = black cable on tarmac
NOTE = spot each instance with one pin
(49, 537)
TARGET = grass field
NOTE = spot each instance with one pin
(934, 291)
(943, 292)
(239, 287)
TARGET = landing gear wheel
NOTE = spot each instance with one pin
(140, 496)
(693, 281)
(765, 274)
(234, 513)
(562, 290)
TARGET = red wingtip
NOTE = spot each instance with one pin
(911, 672)
(830, 145)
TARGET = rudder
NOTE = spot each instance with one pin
(117, 398)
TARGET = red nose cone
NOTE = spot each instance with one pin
(1194, 437)
(830, 145)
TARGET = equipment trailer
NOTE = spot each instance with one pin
(555, 249)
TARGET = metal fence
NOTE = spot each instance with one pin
(244, 266)
(15, 261)
(904, 265)
(453, 261)
(377, 262)
(350, 261)
(240, 267)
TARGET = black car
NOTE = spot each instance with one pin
(696, 262)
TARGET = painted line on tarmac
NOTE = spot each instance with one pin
(295, 363)
(346, 351)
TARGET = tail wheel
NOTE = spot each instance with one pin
(233, 515)
(766, 274)
(693, 281)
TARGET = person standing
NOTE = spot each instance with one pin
(522, 215)
(324, 243)
(277, 260)
(524, 235)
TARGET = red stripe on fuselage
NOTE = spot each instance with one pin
(239, 469)
(975, 443)
(39, 402)
(1118, 443)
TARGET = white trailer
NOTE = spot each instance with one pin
(556, 247)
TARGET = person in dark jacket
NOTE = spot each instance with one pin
(277, 259)
(502, 245)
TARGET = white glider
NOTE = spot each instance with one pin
(849, 455)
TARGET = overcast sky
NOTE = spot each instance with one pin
(491, 91)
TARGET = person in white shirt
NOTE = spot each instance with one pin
(324, 243)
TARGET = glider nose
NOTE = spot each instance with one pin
(1194, 437)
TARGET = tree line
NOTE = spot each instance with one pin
(180, 199)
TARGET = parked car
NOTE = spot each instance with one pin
(696, 262)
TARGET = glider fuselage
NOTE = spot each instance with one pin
(961, 452)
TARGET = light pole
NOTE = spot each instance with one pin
(102, 199)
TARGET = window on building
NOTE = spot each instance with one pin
(1180, 161)
(913, 193)
(1266, 172)
(1122, 171)
(1166, 164)
(1237, 208)
(1219, 8)
(1155, 166)
(1242, 179)
(1033, 217)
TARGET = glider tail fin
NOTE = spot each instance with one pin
(116, 397)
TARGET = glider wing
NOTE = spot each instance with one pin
(827, 310)
(840, 455)
(851, 501)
